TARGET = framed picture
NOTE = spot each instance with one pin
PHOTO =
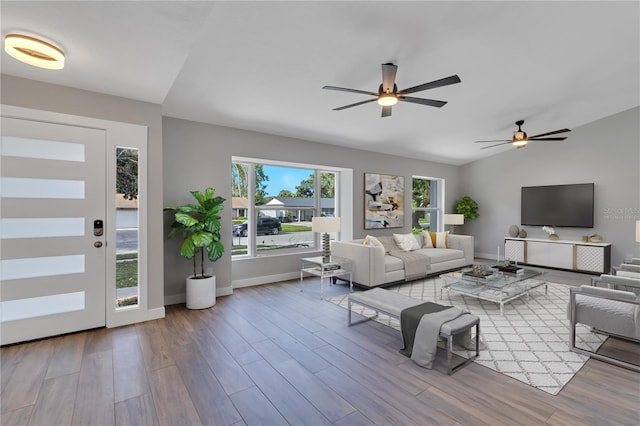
(383, 201)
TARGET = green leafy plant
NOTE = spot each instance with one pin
(200, 227)
(467, 207)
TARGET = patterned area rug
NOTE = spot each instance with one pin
(529, 343)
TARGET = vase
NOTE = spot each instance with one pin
(201, 292)
(554, 237)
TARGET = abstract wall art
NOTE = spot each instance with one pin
(383, 201)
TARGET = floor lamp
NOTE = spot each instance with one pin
(453, 220)
(325, 225)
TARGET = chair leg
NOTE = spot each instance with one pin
(449, 344)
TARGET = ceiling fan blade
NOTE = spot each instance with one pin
(356, 104)
(498, 144)
(497, 140)
(344, 89)
(430, 102)
(388, 77)
(546, 139)
(432, 85)
(386, 111)
(549, 133)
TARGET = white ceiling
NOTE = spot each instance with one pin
(261, 65)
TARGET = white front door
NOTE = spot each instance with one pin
(52, 195)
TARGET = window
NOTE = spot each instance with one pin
(425, 203)
(127, 229)
(273, 203)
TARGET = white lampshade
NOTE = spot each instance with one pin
(454, 219)
(638, 231)
(325, 224)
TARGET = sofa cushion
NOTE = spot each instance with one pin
(388, 243)
(406, 242)
(440, 239)
(392, 264)
(442, 255)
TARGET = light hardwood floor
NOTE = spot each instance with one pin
(273, 355)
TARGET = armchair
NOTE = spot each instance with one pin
(606, 310)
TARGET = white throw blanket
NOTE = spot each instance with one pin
(425, 343)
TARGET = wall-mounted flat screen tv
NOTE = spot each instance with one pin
(558, 205)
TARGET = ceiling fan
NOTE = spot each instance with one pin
(520, 138)
(388, 93)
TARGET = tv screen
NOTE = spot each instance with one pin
(558, 205)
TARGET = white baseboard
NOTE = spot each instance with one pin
(174, 299)
(249, 282)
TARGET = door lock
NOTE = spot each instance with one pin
(98, 228)
(97, 244)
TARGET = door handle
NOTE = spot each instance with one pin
(97, 244)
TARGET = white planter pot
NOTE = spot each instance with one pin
(201, 293)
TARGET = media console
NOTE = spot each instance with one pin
(593, 258)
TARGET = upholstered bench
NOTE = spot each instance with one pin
(392, 304)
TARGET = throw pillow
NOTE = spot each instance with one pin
(428, 242)
(406, 242)
(388, 242)
(440, 239)
(370, 240)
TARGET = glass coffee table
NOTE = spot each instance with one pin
(493, 286)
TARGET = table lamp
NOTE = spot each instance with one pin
(325, 225)
(453, 220)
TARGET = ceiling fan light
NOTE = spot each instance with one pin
(519, 143)
(34, 51)
(387, 99)
(519, 136)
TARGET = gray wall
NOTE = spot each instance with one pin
(199, 155)
(32, 94)
(605, 152)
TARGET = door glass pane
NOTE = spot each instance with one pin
(14, 269)
(41, 227)
(32, 307)
(13, 187)
(127, 230)
(13, 146)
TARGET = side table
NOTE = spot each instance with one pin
(337, 266)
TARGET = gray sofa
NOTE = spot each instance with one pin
(374, 266)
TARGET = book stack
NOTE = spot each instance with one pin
(331, 267)
(509, 269)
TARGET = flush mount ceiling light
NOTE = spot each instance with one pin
(34, 51)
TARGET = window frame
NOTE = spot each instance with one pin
(439, 197)
(252, 211)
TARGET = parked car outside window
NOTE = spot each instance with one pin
(265, 226)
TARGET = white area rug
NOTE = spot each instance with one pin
(529, 343)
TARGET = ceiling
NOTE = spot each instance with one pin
(261, 65)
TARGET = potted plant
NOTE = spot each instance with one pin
(200, 226)
(468, 207)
